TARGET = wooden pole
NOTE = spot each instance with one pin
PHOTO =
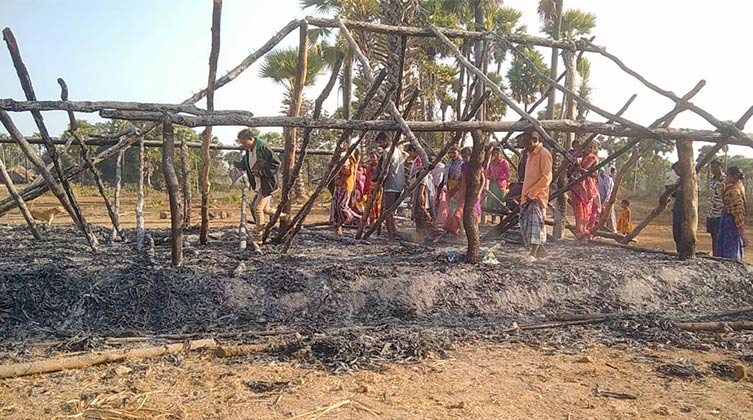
(78, 362)
(304, 144)
(332, 167)
(291, 133)
(206, 136)
(243, 228)
(69, 199)
(140, 199)
(116, 198)
(20, 201)
(84, 153)
(391, 107)
(726, 128)
(426, 170)
(688, 200)
(664, 121)
(185, 170)
(171, 182)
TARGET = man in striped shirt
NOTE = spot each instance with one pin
(716, 202)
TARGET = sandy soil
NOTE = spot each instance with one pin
(477, 381)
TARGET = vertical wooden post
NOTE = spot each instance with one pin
(689, 199)
(20, 201)
(206, 136)
(560, 208)
(243, 228)
(291, 133)
(116, 198)
(185, 169)
(171, 182)
(140, 199)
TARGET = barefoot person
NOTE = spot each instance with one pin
(261, 165)
(732, 238)
(535, 195)
(345, 184)
(497, 175)
(422, 196)
(394, 181)
(584, 193)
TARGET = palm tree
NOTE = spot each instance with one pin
(524, 83)
(280, 66)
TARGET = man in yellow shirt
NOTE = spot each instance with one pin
(535, 195)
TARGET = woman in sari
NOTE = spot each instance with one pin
(371, 169)
(497, 174)
(345, 183)
(732, 237)
(584, 193)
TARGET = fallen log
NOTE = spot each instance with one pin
(84, 361)
(715, 326)
(239, 350)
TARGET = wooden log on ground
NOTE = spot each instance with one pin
(19, 200)
(715, 326)
(93, 359)
(318, 104)
(171, 183)
(140, 199)
(240, 350)
(206, 135)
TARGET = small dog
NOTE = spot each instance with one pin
(46, 215)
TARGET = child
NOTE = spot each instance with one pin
(624, 224)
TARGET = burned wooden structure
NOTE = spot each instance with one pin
(379, 111)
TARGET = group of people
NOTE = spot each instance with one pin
(726, 214)
(438, 201)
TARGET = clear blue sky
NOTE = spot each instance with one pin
(157, 51)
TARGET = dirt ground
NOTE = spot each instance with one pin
(372, 330)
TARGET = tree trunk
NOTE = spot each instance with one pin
(243, 228)
(116, 198)
(689, 201)
(291, 133)
(171, 184)
(140, 199)
(560, 210)
(206, 137)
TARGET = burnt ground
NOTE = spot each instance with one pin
(344, 304)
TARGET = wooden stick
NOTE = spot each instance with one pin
(452, 33)
(116, 196)
(206, 136)
(498, 92)
(291, 133)
(391, 107)
(20, 201)
(140, 199)
(185, 171)
(332, 167)
(69, 199)
(171, 183)
(84, 153)
(243, 228)
(715, 326)
(93, 359)
(425, 171)
(664, 122)
(318, 104)
(240, 350)
(726, 128)
(12, 105)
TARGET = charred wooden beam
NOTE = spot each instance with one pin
(5, 177)
(171, 184)
(11, 105)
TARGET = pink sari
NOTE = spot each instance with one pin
(582, 199)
